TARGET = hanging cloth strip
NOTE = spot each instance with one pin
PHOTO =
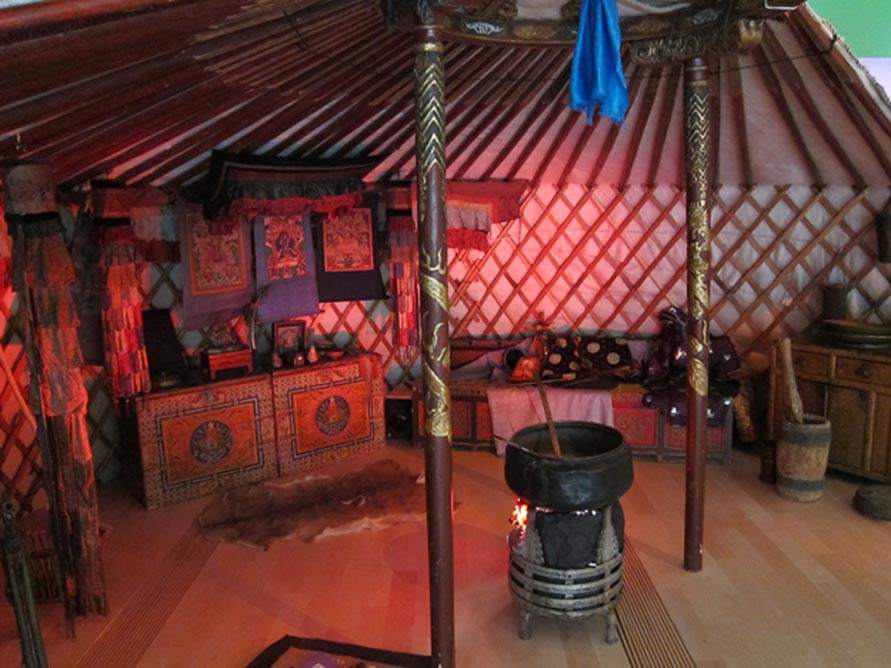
(89, 584)
(598, 78)
(86, 254)
(404, 285)
(126, 361)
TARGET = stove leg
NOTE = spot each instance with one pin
(525, 631)
(612, 629)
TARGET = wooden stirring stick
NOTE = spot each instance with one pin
(792, 397)
(555, 443)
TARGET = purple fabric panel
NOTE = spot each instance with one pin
(288, 297)
(208, 308)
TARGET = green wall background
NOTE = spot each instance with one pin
(865, 25)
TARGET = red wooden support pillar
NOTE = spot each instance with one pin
(696, 113)
(431, 170)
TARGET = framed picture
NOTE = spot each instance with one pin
(288, 337)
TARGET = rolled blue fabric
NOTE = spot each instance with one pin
(598, 79)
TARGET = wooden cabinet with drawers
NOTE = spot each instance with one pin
(197, 440)
(853, 389)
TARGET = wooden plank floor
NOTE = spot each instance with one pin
(784, 584)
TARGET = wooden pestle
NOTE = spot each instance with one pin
(793, 399)
(555, 442)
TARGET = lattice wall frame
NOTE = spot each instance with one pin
(604, 259)
(581, 259)
(21, 473)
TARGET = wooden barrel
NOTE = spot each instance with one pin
(802, 454)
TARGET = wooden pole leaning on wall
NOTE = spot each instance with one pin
(20, 590)
(431, 171)
(698, 147)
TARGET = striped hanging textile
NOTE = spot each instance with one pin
(404, 285)
(126, 361)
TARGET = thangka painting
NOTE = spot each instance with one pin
(285, 248)
(217, 261)
(347, 241)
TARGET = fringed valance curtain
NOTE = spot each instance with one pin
(143, 209)
(251, 186)
(473, 206)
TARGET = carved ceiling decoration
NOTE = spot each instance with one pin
(555, 22)
(738, 35)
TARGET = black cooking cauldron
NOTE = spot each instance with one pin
(594, 471)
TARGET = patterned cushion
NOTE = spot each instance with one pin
(561, 358)
(603, 353)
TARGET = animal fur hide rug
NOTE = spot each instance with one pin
(381, 494)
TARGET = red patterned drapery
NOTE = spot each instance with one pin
(48, 275)
(292, 206)
(126, 361)
(404, 284)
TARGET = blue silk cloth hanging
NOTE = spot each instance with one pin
(598, 79)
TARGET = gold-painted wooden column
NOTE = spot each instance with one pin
(697, 135)
(431, 170)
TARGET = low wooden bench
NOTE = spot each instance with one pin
(647, 430)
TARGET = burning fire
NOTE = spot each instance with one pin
(520, 514)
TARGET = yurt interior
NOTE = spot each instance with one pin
(478, 333)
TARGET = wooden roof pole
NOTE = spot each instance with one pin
(431, 175)
(692, 50)
(53, 13)
(698, 149)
